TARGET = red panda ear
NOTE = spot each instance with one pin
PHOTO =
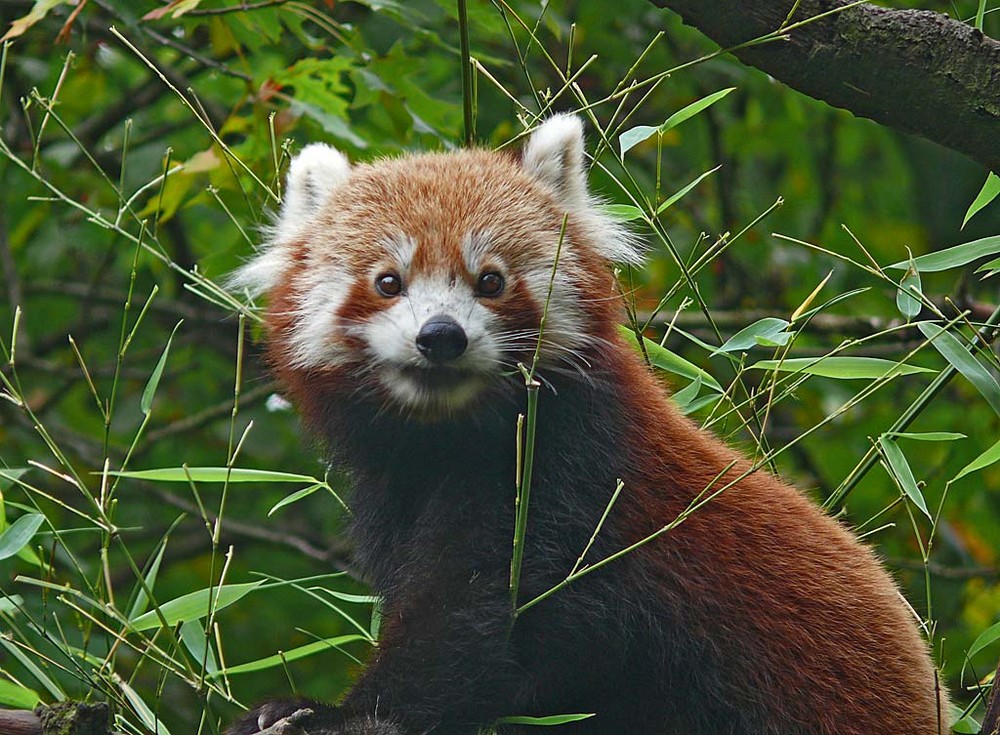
(312, 176)
(554, 156)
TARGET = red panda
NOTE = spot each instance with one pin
(402, 296)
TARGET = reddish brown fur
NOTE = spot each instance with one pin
(791, 608)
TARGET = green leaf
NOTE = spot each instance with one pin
(990, 265)
(19, 534)
(214, 474)
(990, 456)
(683, 192)
(953, 257)
(965, 362)
(543, 721)
(900, 469)
(967, 725)
(149, 718)
(146, 403)
(682, 398)
(767, 328)
(693, 109)
(9, 476)
(16, 696)
(296, 653)
(989, 192)
(620, 212)
(984, 639)
(664, 359)
(700, 403)
(928, 436)
(193, 637)
(909, 292)
(297, 495)
(141, 598)
(631, 138)
(842, 368)
(194, 605)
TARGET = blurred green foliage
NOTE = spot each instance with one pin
(100, 98)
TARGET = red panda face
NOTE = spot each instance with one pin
(422, 280)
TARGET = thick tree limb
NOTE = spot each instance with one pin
(912, 70)
(61, 718)
(991, 720)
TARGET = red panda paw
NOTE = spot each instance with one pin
(305, 717)
(287, 717)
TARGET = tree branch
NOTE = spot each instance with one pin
(913, 70)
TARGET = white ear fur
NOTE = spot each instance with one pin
(554, 156)
(312, 176)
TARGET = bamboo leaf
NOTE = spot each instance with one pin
(685, 113)
(909, 292)
(928, 436)
(294, 654)
(953, 257)
(16, 696)
(149, 718)
(683, 192)
(990, 456)
(664, 359)
(543, 721)
(621, 212)
(682, 398)
(767, 328)
(194, 605)
(19, 534)
(296, 496)
(983, 640)
(900, 468)
(633, 137)
(193, 637)
(956, 353)
(9, 476)
(214, 474)
(146, 403)
(989, 192)
(842, 368)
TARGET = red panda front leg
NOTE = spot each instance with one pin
(444, 664)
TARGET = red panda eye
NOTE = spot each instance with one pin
(490, 284)
(388, 284)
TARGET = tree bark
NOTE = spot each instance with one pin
(912, 70)
(61, 718)
(991, 720)
(19, 722)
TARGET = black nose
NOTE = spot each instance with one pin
(441, 339)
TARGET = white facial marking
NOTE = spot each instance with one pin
(322, 292)
(392, 342)
(401, 248)
(476, 251)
